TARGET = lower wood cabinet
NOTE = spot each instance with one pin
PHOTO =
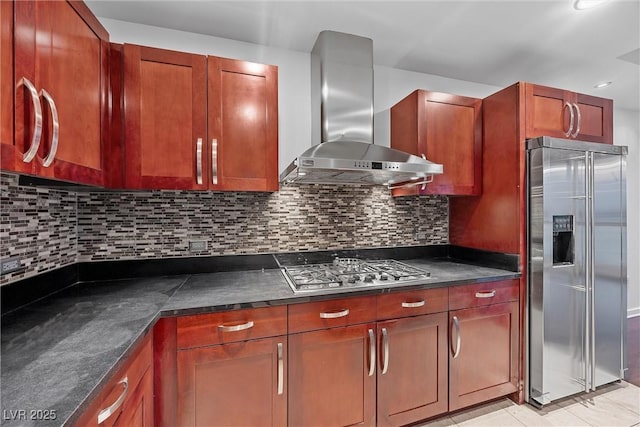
(388, 360)
(385, 373)
(231, 369)
(332, 377)
(127, 400)
(234, 384)
(412, 370)
(138, 410)
(483, 362)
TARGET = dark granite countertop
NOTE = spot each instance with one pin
(58, 352)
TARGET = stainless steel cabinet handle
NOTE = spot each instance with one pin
(280, 369)
(335, 315)
(104, 414)
(199, 161)
(571, 118)
(424, 184)
(486, 294)
(385, 351)
(214, 160)
(579, 119)
(413, 304)
(372, 352)
(456, 324)
(236, 328)
(37, 122)
(56, 128)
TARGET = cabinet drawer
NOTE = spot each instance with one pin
(331, 313)
(109, 404)
(231, 326)
(482, 294)
(412, 303)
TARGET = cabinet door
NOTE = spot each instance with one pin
(548, 112)
(412, 369)
(236, 384)
(63, 50)
(138, 410)
(165, 119)
(453, 138)
(564, 114)
(596, 119)
(243, 125)
(483, 359)
(446, 129)
(332, 378)
(127, 399)
(7, 147)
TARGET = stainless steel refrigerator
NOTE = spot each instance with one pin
(577, 267)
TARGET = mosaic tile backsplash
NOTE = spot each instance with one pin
(37, 225)
(158, 224)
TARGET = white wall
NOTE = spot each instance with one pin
(626, 131)
(390, 85)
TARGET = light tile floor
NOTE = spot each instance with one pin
(610, 406)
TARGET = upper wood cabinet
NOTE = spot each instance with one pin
(446, 129)
(243, 125)
(165, 98)
(61, 91)
(6, 86)
(195, 122)
(564, 114)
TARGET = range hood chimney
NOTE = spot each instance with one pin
(342, 122)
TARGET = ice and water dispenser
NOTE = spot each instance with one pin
(563, 241)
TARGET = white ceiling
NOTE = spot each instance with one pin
(490, 42)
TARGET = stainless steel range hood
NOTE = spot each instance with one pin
(342, 122)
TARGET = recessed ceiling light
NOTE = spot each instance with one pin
(602, 84)
(587, 4)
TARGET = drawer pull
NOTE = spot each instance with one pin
(413, 304)
(487, 294)
(236, 328)
(335, 315)
(104, 414)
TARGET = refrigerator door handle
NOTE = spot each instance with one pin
(588, 333)
(592, 270)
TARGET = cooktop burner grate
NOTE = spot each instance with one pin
(351, 272)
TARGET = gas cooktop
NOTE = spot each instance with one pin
(351, 273)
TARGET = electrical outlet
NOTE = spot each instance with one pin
(10, 265)
(421, 235)
(197, 245)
